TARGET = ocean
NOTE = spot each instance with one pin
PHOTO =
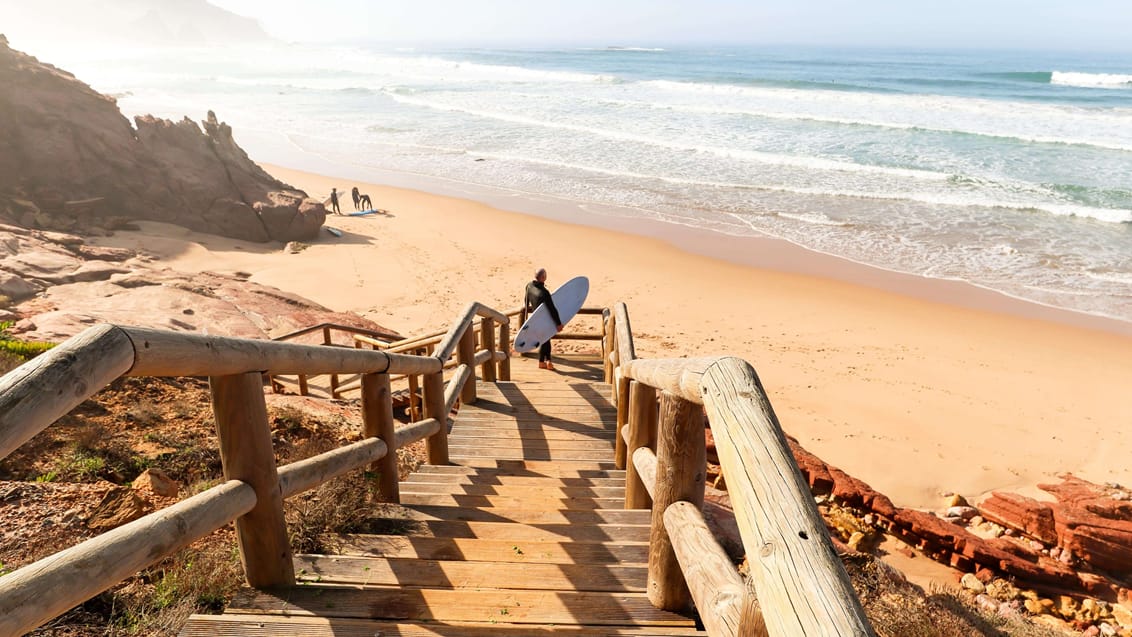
(1008, 170)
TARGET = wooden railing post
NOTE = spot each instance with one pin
(466, 355)
(435, 408)
(642, 433)
(681, 470)
(377, 418)
(607, 344)
(505, 347)
(621, 393)
(487, 336)
(800, 583)
(247, 455)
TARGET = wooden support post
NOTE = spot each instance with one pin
(377, 418)
(608, 343)
(466, 355)
(414, 399)
(505, 347)
(487, 337)
(642, 433)
(435, 408)
(334, 385)
(621, 391)
(304, 389)
(681, 470)
(326, 335)
(247, 455)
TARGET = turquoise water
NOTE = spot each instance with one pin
(1012, 171)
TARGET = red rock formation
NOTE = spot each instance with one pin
(1028, 515)
(68, 158)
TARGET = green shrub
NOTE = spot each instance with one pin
(23, 350)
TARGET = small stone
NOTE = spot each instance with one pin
(1033, 606)
(977, 520)
(1010, 609)
(869, 519)
(1008, 532)
(985, 575)
(986, 603)
(1091, 631)
(972, 583)
(855, 540)
(1036, 545)
(1107, 630)
(1066, 606)
(955, 500)
(964, 512)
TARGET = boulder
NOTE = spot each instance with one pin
(119, 506)
(157, 482)
(69, 159)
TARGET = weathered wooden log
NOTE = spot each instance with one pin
(377, 422)
(505, 349)
(452, 338)
(42, 390)
(38, 592)
(642, 433)
(681, 472)
(801, 585)
(621, 387)
(484, 357)
(606, 344)
(436, 408)
(455, 384)
(419, 430)
(716, 586)
(466, 354)
(310, 472)
(247, 455)
(487, 338)
(414, 398)
(578, 336)
(625, 349)
(679, 376)
(644, 460)
(164, 353)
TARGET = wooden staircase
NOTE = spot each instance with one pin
(523, 534)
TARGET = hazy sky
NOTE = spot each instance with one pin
(1059, 24)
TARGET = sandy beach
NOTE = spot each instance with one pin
(918, 387)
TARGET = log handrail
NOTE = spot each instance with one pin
(44, 389)
(800, 584)
(337, 326)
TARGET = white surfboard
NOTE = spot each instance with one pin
(568, 299)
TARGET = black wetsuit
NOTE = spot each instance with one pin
(537, 295)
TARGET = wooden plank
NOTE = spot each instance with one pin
(538, 532)
(465, 453)
(522, 607)
(486, 466)
(522, 515)
(532, 444)
(468, 431)
(505, 480)
(514, 491)
(376, 571)
(473, 550)
(241, 625)
(489, 501)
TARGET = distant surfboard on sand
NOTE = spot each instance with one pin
(362, 213)
(334, 231)
(568, 299)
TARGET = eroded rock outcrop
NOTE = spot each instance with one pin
(70, 160)
(60, 286)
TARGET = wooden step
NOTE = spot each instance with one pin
(514, 606)
(506, 480)
(520, 468)
(524, 515)
(547, 468)
(259, 625)
(458, 439)
(473, 550)
(515, 532)
(512, 491)
(363, 570)
(491, 501)
(464, 454)
(521, 430)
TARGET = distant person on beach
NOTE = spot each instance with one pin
(334, 201)
(366, 203)
(537, 295)
(357, 198)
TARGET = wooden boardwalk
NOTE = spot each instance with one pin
(523, 534)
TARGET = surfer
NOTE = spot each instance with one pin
(367, 204)
(357, 198)
(537, 295)
(334, 201)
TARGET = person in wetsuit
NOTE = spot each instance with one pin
(537, 295)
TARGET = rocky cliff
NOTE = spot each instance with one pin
(69, 160)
